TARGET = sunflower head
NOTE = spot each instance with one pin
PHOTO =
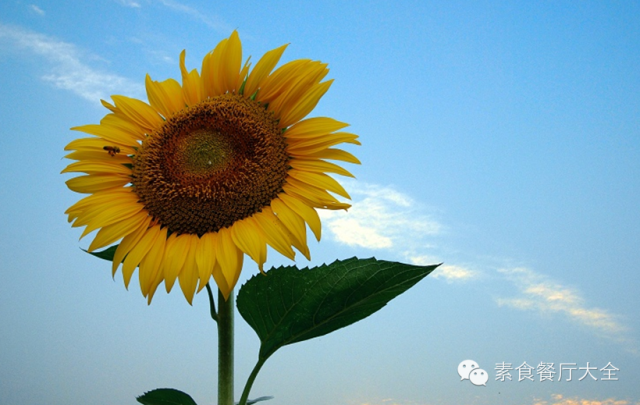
(209, 170)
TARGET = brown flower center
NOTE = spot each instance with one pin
(211, 164)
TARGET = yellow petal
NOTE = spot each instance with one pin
(294, 224)
(109, 213)
(307, 213)
(128, 243)
(315, 126)
(319, 180)
(102, 155)
(262, 69)
(305, 105)
(97, 144)
(138, 253)
(305, 79)
(312, 196)
(206, 258)
(280, 80)
(97, 216)
(229, 256)
(221, 281)
(97, 199)
(123, 123)
(175, 257)
(212, 83)
(166, 97)
(108, 105)
(155, 283)
(138, 112)
(318, 166)
(97, 167)
(188, 277)
(331, 154)
(246, 234)
(276, 234)
(97, 182)
(111, 233)
(150, 265)
(192, 87)
(231, 61)
(110, 216)
(316, 144)
(109, 134)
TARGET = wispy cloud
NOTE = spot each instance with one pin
(380, 218)
(540, 293)
(453, 273)
(36, 9)
(557, 399)
(129, 3)
(209, 20)
(66, 67)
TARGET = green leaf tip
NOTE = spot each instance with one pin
(106, 254)
(165, 396)
(253, 401)
(292, 305)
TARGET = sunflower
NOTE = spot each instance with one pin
(210, 170)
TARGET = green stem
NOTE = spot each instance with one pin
(225, 349)
(250, 380)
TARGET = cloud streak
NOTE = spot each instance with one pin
(212, 22)
(129, 3)
(37, 9)
(66, 68)
(540, 293)
(557, 399)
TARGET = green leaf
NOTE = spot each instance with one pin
(260, 399)
(106, 254)
(165, 396)
(288, 305)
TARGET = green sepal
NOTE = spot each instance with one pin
(165, 396)
(241, 91)
(106, 254)
(288, 305)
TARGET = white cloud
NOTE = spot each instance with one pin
(380, 218)
(540, 293)
(67, 70)
(36, 9)
(453, 273)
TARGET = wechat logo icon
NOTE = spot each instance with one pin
(469, 370)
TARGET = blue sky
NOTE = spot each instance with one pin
(501, 138)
